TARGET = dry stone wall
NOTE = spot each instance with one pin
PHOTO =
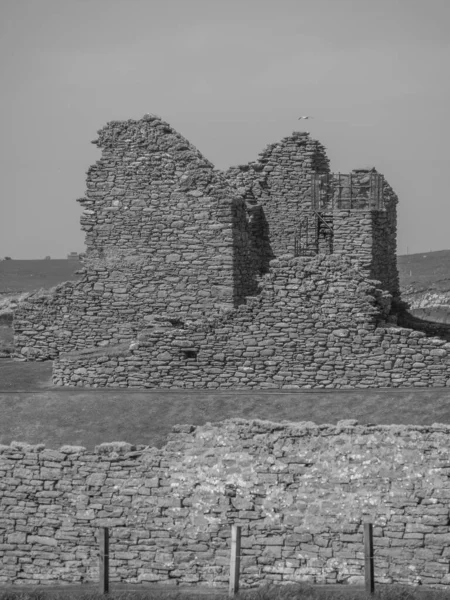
(364, 233)
(189, 278)
(164, 232)
(318, 323)
(300, 492)
(384, 244)
(279, 182)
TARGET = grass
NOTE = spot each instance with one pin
(299, 591)
(267, 592)
(425, 271)
(88, 417)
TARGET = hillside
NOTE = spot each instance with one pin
(425, 284)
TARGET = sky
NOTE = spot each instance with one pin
(232, 77)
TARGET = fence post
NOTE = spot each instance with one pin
(368, 558)
(104, 560)
(235, 560)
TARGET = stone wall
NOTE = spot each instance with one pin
(280, 183)
(366, 233)
(164, 232)
(174, 244)
(384, 244)
(318, 323)
(301, 493)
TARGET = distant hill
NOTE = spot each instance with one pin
(425, 284)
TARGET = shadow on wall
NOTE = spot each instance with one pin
(262, 241)
(252, 251)
(430, 328)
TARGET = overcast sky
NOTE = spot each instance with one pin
(231, 76)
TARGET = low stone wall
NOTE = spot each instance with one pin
(318, 323)
(301, 493)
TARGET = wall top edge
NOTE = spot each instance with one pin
(255, 426)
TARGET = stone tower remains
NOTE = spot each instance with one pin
(273, 274)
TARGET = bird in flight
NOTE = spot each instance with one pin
(304, 118)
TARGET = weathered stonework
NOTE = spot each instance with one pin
(274, 274)
(300, 492)
(317, 323)
(277, 190)
(163, 232)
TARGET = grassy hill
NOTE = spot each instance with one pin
(425, 271)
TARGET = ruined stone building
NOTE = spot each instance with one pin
(276, 274)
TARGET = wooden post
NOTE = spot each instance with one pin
(368, 559)
(235, 560)
(104, 560)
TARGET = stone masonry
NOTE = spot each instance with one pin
(273, 274)
(317, 323)
(301, 493)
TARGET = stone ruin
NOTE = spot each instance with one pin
(276, 274)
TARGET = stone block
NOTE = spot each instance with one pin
(41, 540)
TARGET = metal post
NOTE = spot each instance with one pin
(104, 560)
(368, 559)
(235, 560)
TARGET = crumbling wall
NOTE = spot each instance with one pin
(280, 183)
(353, 236)
(164, 232)
(169, 236)
(362, 229)
(318, 323)
(300, 492)
(384, 243)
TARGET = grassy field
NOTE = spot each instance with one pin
(56, 416)
(285, 592)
